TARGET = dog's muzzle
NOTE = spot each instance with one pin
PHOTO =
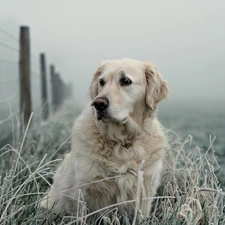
(101, 104)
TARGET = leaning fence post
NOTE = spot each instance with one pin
(24, 73)
(44, 95)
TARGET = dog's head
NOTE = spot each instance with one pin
(126, 88)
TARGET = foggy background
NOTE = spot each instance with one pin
(186, 39)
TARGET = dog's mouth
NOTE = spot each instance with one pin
(107, 118)
(102, 115)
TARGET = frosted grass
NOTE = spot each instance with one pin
(190, 192)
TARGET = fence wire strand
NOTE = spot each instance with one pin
(9, 35)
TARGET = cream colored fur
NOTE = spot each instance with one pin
(101, 168)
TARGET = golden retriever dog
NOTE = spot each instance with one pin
(111, 138)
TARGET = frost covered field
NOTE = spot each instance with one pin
(200, 120)
(192, 188)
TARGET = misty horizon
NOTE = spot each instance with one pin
(184, 40)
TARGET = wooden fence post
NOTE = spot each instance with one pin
(53, 87)
(24, 72)
(58, 90)
(44, 95)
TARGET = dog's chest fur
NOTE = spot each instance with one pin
(123, 158)
(116, 173)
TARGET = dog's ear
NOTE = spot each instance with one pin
(157, 88)
(93, 89)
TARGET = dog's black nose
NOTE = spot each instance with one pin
(101, 103)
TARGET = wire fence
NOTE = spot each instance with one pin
(10, 88)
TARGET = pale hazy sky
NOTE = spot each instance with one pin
(186, 39)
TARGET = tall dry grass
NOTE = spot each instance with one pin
(189, 193)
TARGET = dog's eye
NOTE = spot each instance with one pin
(125, 81)
(101, 82)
